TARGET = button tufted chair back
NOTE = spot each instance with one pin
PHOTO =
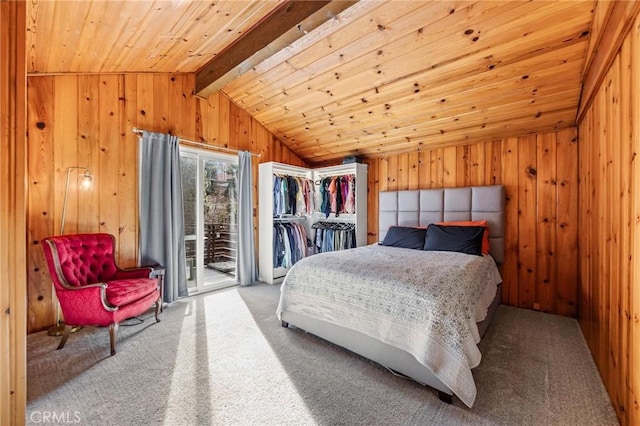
(86, 258)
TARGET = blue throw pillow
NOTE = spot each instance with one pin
(463, 239)
(405, 237)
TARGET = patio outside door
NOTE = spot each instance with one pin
(210, 217)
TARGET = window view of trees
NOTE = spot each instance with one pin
(220, 192)
(188, 167)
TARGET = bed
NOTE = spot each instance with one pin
(403, 308)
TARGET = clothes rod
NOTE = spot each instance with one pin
(200, 144)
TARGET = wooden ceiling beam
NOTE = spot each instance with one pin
(284, 25)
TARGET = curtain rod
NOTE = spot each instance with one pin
(204, 145)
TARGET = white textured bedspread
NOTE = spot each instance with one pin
(424, 302)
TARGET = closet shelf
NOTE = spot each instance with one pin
(288, 218)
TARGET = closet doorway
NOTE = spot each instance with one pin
(210, 218)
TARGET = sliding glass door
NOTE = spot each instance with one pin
(210, 216)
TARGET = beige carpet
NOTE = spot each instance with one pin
(223, 359)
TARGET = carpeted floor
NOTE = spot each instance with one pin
(223, 359)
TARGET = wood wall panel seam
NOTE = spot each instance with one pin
(633, 378)
(13, 217)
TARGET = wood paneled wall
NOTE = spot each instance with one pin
(86, 121)
(13, 347)
(609, 217)
(540, 176)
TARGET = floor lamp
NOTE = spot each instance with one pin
(86, 185)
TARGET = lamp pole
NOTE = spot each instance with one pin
(58, 328)
(87, 181)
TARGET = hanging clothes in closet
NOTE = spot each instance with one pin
(292, 195)
(334, 236)
(289, 244)
(337, 194)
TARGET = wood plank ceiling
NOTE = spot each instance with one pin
(382, 77)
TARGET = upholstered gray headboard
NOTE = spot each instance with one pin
(421, 207)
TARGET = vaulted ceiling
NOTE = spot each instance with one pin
(378, 77)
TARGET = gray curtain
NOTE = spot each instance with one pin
(161, 211)
(246, 273)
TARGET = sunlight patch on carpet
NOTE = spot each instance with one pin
(216, 362)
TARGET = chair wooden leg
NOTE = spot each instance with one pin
(65, 335)
(113, 332)
(158, 309)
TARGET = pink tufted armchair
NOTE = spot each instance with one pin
(92, 290)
